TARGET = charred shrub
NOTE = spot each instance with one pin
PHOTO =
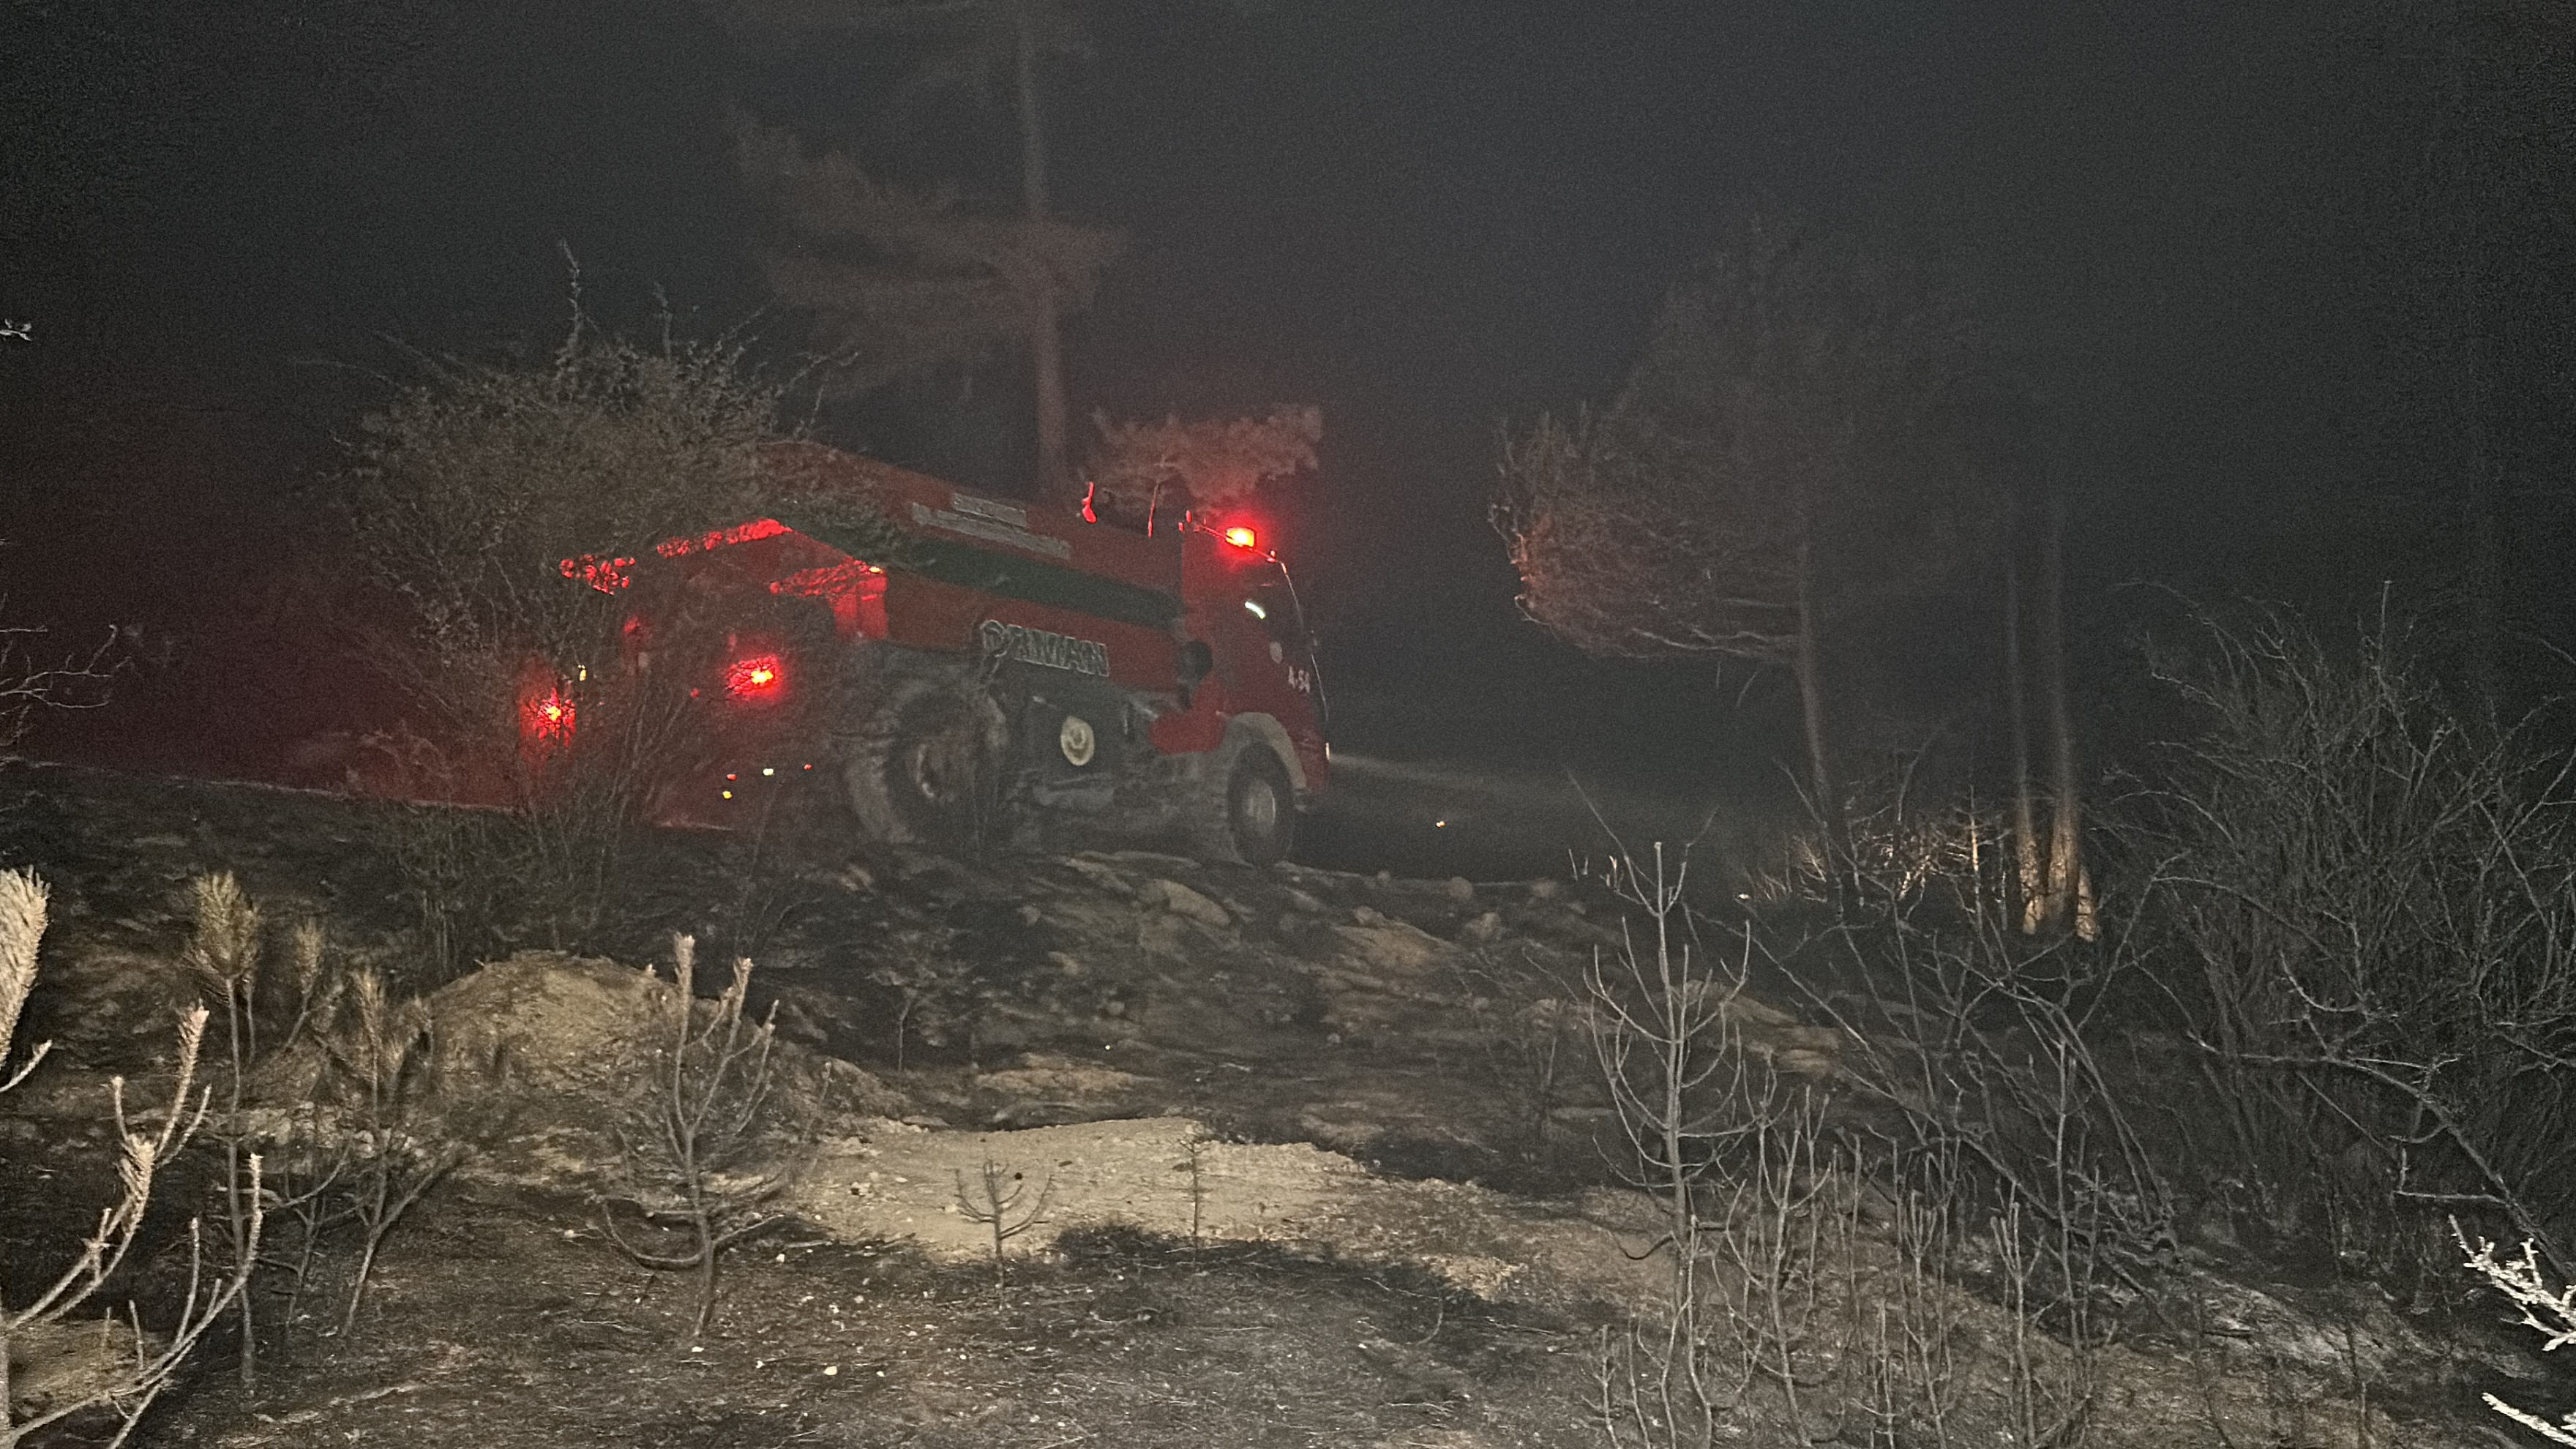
(2367, 910)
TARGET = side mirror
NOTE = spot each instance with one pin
(1196, 662)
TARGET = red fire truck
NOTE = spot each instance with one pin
(984, 671)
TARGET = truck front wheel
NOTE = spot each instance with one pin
(1260, 807)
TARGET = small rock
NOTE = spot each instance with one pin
(1181, 901)
(2215, 1232)
(1368, 915)
(1800, 1063)
(1304, 902)
(1020, 1116)
(1752, 1011)
(1484, 930)
(1543, 890)
(1031, 915)
(1461, 889)
(797, 1024)
(1101, 875)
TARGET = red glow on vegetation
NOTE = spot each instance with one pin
(754, 678)
(758, 528)
(823, 582)
(608, 575)
(1242, 537)
(856, 591)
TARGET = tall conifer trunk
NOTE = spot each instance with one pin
(2066, 834)
(2471, 401)
(2026, 854)
(1811, 712)
(1046, 336)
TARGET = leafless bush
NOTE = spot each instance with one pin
(2373, 900)
(1989, 1059)
(470, 490)
(936, 993)
(1815, 1281)
(544, 871)
(145, 1363)
(1750, 1333)
(1916, 1388)
(454, 865)
(699, 1115)
(34, 676)
(480, 502)
(1532, 1027)
(1990, 1049)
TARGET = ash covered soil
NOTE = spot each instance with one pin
(1309, 1175)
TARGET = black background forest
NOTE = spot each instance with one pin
(2285, 281)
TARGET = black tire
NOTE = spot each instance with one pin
(1260, 808)
(942, 772)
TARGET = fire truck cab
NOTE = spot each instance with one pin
(1004, 672)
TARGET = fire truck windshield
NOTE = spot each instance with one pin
(1271, 601)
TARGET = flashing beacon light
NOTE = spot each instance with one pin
(754, 678)
(1243, 538)
(547, 719)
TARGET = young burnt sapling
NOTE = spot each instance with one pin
(699, 1108)
(2549, 1312)
(138, 1376)
(1194, 1154)
(999, 1199)
(381, 1055)
(223, 954)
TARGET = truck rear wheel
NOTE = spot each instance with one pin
(942, 774)
(1260, 807)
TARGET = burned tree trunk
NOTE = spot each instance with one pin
(1046, 328)
(1809, 665)
(2069, 888)
(2026, 853)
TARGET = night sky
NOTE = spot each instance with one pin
(231, 224)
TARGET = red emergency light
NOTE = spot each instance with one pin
(1243, 538)
(755, 678)
(547, 719)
